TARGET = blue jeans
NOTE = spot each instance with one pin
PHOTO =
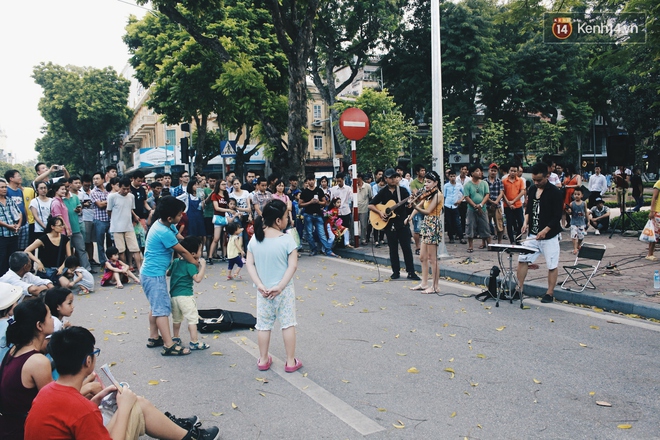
(101, 228)
(315, 231)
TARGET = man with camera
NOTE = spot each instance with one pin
(46, 174)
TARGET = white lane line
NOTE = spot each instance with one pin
(605, 316)
(349, 415)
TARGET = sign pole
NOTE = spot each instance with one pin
(356, 218)
(354, 124)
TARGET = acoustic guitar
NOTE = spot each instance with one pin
(388, 209)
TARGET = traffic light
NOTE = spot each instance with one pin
(184, 150)
(185, 127)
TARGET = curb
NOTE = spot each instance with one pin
(595, 299)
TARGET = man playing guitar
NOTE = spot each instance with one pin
(397, 232)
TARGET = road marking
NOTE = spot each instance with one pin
(605, 316)
(349, 415)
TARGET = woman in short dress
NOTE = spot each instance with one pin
(431, 232)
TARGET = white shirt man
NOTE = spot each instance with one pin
(344, 193)
(597, 182)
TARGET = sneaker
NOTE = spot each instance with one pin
(596, 232)
(413, 276)
(395, 276)
(229, 277)
(463, 241)
(377, 244)
(209, 262)
(312, 253)
(546, 298)
(197, 433)
(186, 423)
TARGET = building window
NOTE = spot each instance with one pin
(317, 112)
(318, 143)
(171, 137)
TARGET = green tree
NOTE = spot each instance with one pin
(389, 129)
(191, 82)
(27, 172)
(346, 33)
(546, 139)
(293, 22)
(85, 111)
(491, 143)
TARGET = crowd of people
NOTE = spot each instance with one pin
(55, 232)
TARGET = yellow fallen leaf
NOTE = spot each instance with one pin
(481, 356)
(595, 327)
(470, 341)
(112, 364)
(582, 345)
(262, 379)
(401, 354)
(262, 394)
(438, 334)
(449, 370)
(596, 309)
(216, 414)
(603, 403)
(452, 335)
(445, 325)
(232, 365)
(536, 381)
(305, 387)
(397, 336)
(480, 427)
(304, 375)
(153, 382)
(592, 393)
(451, 360)
(552, 320)
(399, 426)
(474, 384)
(624, 426)
(234, 406)
(525, 307)
(499, 329)
(413, 370)
(381, 409)
(453, 414)
(216, 336)
(378, 346)
(216, 353)
(346, 381)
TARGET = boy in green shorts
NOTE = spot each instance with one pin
(182, 274)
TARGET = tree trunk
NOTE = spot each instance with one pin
(202, 127)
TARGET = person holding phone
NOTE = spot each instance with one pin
(313, 200)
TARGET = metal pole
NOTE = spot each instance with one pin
(332, 145)
(356, 218)
(436, 92)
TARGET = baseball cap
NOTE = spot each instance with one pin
(390, 172)
(9, 294)
(493, 165)
(598, 199)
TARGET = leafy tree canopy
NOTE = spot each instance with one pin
(85, 111)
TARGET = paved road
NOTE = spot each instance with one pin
(480, 372)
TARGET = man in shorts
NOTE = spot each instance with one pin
(121, 208)
(542, 220)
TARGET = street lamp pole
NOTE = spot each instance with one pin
(436, 114)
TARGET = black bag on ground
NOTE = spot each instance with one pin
(213, 320)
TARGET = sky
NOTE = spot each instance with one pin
(76, 32)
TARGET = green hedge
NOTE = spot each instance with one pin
(629, 203)
(640, 217)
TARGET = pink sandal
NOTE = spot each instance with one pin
(296, 367)
(265, 366)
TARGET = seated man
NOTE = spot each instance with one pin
(600, 216)
(60, 411)
(19, 274)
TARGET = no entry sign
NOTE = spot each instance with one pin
(354, 124)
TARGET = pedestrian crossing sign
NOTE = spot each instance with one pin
(228, 148)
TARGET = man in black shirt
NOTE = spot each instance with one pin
(142, 208)
(313, 200)
(542, 217)
(398, 233)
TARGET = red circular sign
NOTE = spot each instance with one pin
(354, 124)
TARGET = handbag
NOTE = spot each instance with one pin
(219, 220)
(648, 234)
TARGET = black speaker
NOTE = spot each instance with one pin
(620, 150)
